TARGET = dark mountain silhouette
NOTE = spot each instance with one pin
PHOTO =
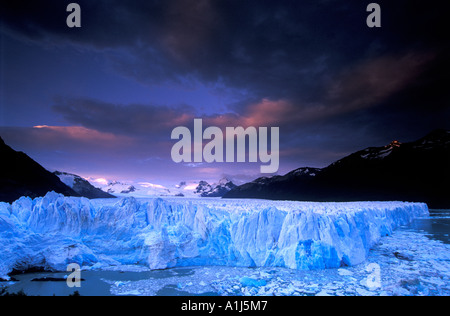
(22, 176)
(418, 172)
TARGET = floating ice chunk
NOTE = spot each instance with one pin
(364, 292)
(344, 272)
(323, 293)
(131, 293)
(120, 283)
(250, 282)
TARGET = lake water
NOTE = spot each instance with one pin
(415, 260)
(436, 227)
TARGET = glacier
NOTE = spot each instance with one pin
(54, 231)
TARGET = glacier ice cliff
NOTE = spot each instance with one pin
(53, 231)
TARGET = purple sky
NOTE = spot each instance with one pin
(102, 100)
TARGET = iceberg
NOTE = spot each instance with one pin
(54, 231)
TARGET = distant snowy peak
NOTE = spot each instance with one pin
(119, 187)
(82, 186)
(204, 189)
(130, 189)
(223, 187)
(224, 182)
(147, 189)
(139, 189)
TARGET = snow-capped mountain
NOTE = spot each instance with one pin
(137, 189)
(418, 171)
(82, 186)
(204, 189)
(183, 189)
(116, 187)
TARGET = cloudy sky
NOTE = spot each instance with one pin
(102, 100)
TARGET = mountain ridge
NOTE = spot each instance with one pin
(146, 189)
(417, 171)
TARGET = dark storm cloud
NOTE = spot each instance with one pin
(274, 49)
(131, 119)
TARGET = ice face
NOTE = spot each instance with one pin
(54, 231)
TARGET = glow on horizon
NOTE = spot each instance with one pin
(151, 185)
(190, 187)
(102, 181)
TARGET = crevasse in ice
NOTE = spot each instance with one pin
(54, 231)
